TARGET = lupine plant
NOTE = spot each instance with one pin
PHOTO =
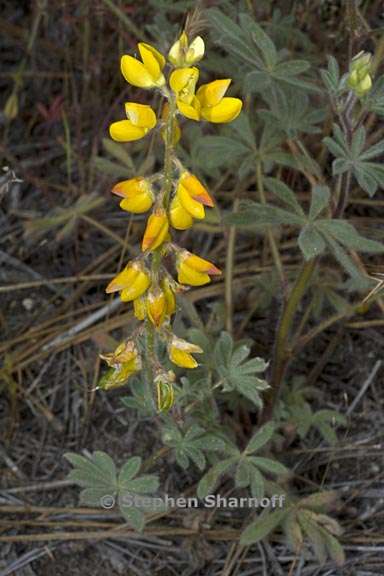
(285, 100)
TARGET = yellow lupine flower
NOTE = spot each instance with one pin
(184, 54)
(124, 361)
(156, 306)
(136, 193)
(145, 74)
(194, 270)
(141, 119)
(180, 352)
(170, 300)
(178, 216)
(133, 281)
(183, 83)
(156, 231)
(210, 103)
(124, 353)
(193, 195)
(359, 79)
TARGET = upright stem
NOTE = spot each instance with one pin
(282, 353)
(272, 242)
(156, 257)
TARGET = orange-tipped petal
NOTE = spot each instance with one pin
(156, 231)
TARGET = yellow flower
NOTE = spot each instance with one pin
(178, 216)
(124, 361)
(156, 306)
(170, 300)
(145, 74)
(156, 231)
(192, 195)
(124, 353)
(180, 352)
(136, 193)
(209, 102)
(133, 281)
(184, 54)
(183, 83)
(194, 270)
(141, 119)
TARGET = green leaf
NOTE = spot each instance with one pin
(314, 534)
(215, 151)
(268, 465)
(311, 242)
(284, 193)
(320, 197)
(134, 516)
(262, 526)
(335, 549)
(346, 234)
(261, 39)
(96, 471)
(208, 482)
(260, 438)
(129, 470)
(257, 483)
(243, 474)
(343, 258)
(252, 214)
(319, 500)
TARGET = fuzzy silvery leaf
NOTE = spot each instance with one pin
(262, 526)
(208, 482)
(320, 196)
(284, 193)
(260, 438)
(268, 465)
(215, 151)
(252, 214)
(257, 483)
(346, 234)
(311, 242)
(98, 476)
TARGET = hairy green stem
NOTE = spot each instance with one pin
(282, 354)
(271, 239)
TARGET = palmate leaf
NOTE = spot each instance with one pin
(354, 157)
(262, 526)
(260, 438)
(191, 445)
(256, 214)
(98, 477)
(236, 372)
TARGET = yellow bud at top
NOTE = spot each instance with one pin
(184, 54)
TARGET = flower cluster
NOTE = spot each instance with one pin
(175, 197)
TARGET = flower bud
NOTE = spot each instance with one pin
(156, 306)
(156, 231)
(184, 54)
